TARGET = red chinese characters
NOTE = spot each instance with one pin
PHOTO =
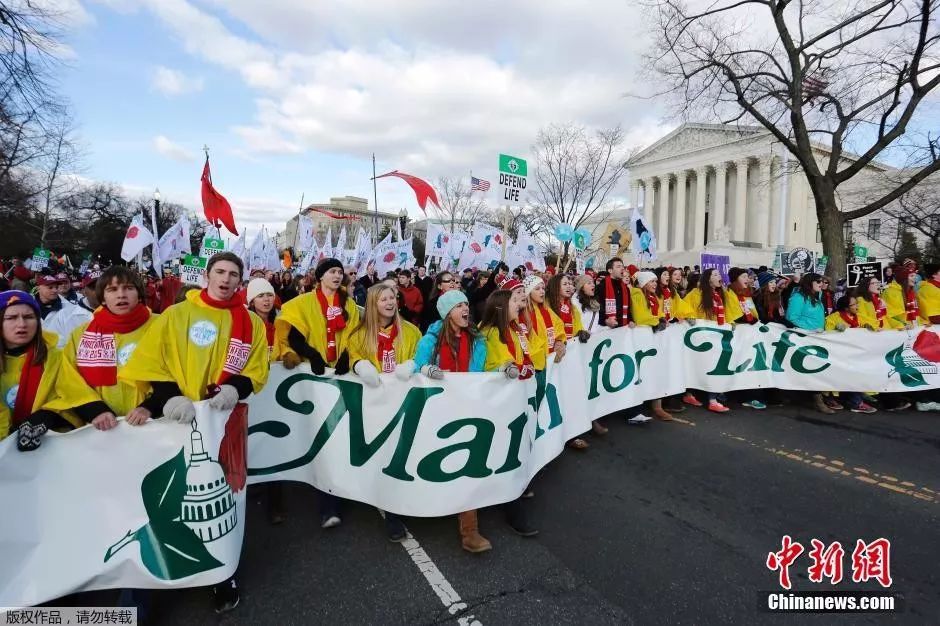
(782, 560)
(872, 561)
(827, 562)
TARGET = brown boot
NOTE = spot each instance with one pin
(820, 404)
(470, 537)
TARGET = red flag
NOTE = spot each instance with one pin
(216, 208)
(423, 191)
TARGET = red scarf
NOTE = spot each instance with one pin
(653, 301)
(910, 305)
(96, 356)
(386, 349)
(935, 283)
(549, 327)
(526, 369)
(880, 309)
(239, 344)
(28, 387)
(667, 303)
(269, 332)
(718, 307)
(848, 318)
(564, 312)
(334, 322)
(459, 362)
(745, 307)
(610, 302)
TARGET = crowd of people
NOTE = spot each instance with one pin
(80, 350)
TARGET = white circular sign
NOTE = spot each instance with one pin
(203, 333)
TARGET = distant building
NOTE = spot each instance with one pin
(352, 206)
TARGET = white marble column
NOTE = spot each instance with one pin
(718, 206)
(678, 228)
(635, 193)
(740, 201)
(649, 202)
(662, 232)
(762, 224)
(698, 213)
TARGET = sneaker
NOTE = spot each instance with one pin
(925, 406)
(691, 400)
(639, 419)
(863, 407)
(225, 596)
(755, 404)
(330, 521)
(832, 403)
(717, 407)
(901, 406)
(395, 529)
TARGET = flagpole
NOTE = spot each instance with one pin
(299, 213)
(375, 193)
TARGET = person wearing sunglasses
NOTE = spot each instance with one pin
(443, 282)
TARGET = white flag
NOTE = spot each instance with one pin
(363, 251)
(175, 242)
(304, 233)
(328, 243)
(136, 239)
(272, 260)
(644, 240)
(256, 253)
(340, 242)
(438, 241)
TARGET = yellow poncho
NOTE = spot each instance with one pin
(120, 398)
(539, 345)
(407, 344)
(894, 300)
(497, 353)
(640, 309)
(868, 317)
(304, 314)
(733, 309)
(693, 306)
(47, 396)
(187, 345)
(928, 299)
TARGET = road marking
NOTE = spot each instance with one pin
(440, 585)
(682, 421)
(836, 466)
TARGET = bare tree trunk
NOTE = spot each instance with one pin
(831, 225)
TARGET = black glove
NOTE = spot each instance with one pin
(317, 364)
(584, 336)
(298, 343)
(342, 364)
(29, 436)
(660, 326)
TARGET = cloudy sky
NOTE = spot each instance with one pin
(294, 96)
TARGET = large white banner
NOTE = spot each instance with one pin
(161, 505)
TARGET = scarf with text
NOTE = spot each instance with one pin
(744, 299)
(549, 327)
(848, 318)
(667, 303)
(449, 362)
(386, 348)
(567, 318)
(718, 307)
(96, 356)
(610, 301)
(526, 369)
(28, 388)
(239, 344)
(334, 322)
(653, 302)
(881, 310)
(910, 304)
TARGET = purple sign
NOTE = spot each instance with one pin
(721, 262)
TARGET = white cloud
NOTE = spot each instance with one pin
(171, 150)
(172, 82)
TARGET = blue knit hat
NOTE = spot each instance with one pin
(448, 301)
(14, 296)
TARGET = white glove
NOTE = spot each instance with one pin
(225, 400)
(403, 371)
(432, 371)
(180, 409)
(511, 370)
(367, 373)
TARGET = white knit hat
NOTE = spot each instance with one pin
(531, 282)
(258, 287)
(642, 278)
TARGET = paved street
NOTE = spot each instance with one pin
(664, 523)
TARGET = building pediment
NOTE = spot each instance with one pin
(691, 137)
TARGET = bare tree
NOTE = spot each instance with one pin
(575, 171)
(917, 211)
(60, 161)
(838, 84)
(459, 207)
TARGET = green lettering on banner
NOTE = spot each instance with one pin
(803, 352)
(516, 430)
(722, 367)
(628, 371)
(431, 467)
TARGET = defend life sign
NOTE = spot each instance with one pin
(512, 178)
(211, 247)
(193, 270)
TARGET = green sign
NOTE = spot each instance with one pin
(821, 264)
(512, 178)
(513, 165)
(861, 252)
(211, 247)
(40, 259)
(193, 269)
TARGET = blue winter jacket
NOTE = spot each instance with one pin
(426, 349)
(804, 314)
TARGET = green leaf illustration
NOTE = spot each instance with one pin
(171, 550)
(163, 489)
(910, 377)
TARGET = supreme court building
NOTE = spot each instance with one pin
(732, 190)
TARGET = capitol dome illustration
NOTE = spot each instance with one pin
(208, 506)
